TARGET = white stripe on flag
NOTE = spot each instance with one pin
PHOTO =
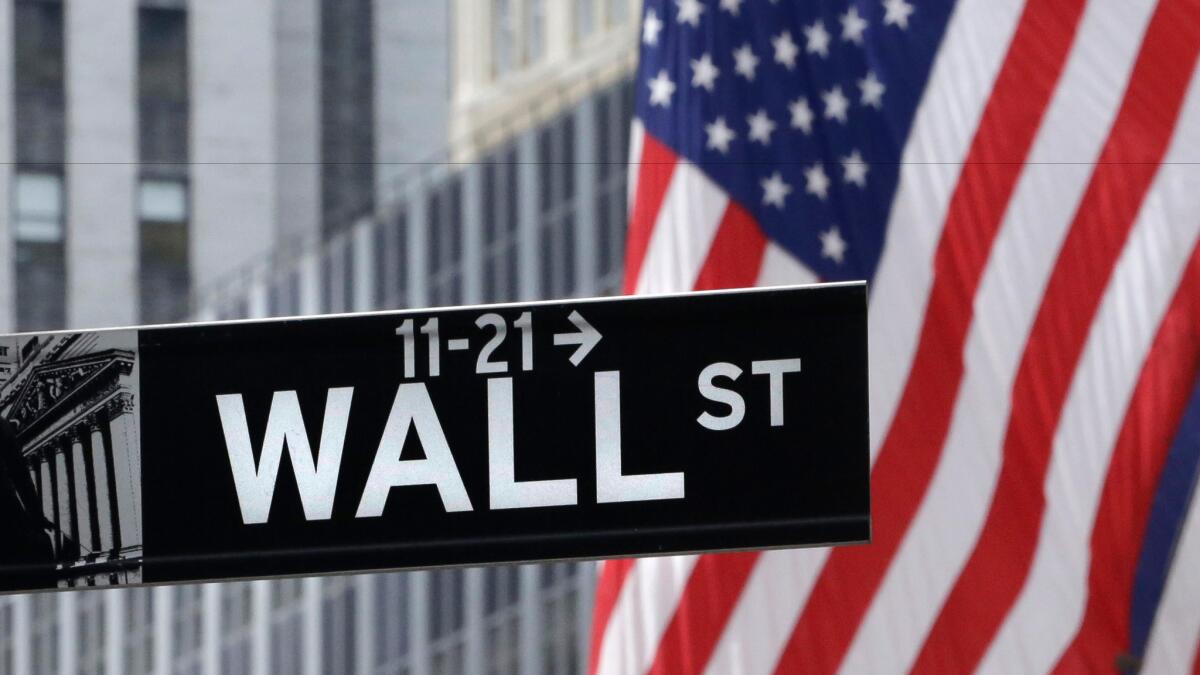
(948, 522)
(1175, 637)
(1051, 604)
(762, 621)
(780, 268)
(642, 612)
(683, 231)
(637, 136)
(968, 61)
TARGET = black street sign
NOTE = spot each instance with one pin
(395, 440)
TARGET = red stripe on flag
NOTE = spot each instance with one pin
(711, 593)
(997, 568)
(735, 257)
(1141, 449)
(654, 176)
(911, 450)
(1196, 658)
(608, 589)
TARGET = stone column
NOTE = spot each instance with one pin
(22, 654)
(419, 599)
(8, 277)
(68, 633)
(47, 484)
(298, 123)
(364, 624)
(260, 628)
(233, 134)
(121, 437)
(114, 637)
(529, 218)
(310, 650)
(101, 169)
(473, 600)
(532, 626)
(100, 476)
(587, 180)
(81, 469)
(64, 517)
(164, 612)
(417, 243)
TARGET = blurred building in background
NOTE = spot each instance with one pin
(222, 159)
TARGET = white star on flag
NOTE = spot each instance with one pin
(761, 127)
(661, 89)
(836, 104)
(853, 26)
(719, 135)
(775, 191)
(816, 182)
(802, 115)
(896, 13)
(872, 90)
(689, 12)
(818, 39)
(704, 73)
(651, 27)
(832, 245)
(785, 50)
(731, 6)
(746, 61)
(854, 169)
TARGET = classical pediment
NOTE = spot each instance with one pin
(53, 387)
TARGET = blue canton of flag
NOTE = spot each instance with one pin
(797, 110)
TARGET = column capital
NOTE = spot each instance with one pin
(119, 405)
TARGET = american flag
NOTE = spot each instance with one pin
(1020, 182)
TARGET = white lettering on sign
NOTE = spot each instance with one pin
(255, 485)
(506, 491)
(710, 391)
(413, 408)
(774, 369)
(612, 485)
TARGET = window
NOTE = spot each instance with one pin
(186, 630)
(38, 228)
(163, 91)
(535, 30)
(6, 638)
(90, 636)
(518, 34)
(236, 609)
(337, 624)
(585, 19)
(287, 609)
(162, 198)
(165, 277)
(38, 205)
(504, 40)
(391, 622)
(44, 632)
(347, 91)
(447, 618)
(38, 82)
(138, 633)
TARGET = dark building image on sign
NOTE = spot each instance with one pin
(70, 406)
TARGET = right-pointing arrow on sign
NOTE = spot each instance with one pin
(587, 338)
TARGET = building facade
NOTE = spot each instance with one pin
(521, 196)
(152, 146)
(71, 400)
